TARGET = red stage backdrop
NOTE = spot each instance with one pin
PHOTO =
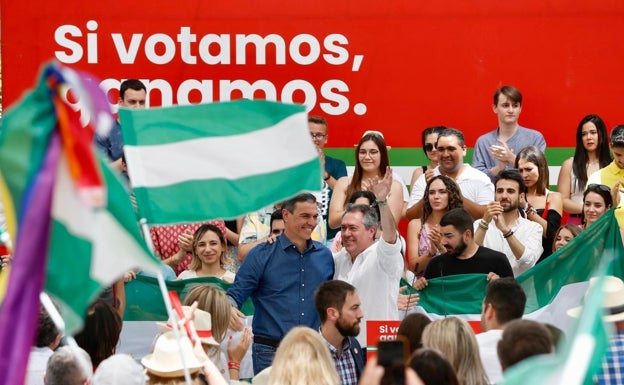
(392, 66)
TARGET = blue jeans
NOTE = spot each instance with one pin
(262, 356)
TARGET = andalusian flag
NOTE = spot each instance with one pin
(552, 287)
(219, 160)
(76, 229)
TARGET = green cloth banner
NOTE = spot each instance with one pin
(144, 300)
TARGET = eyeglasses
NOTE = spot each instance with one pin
(429, 147)
(318, 136)
(598, 187)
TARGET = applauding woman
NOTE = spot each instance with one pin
(423, 234)
(544, 207)
(372, 160)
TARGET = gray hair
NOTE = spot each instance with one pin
(370, 214)
(66, 368)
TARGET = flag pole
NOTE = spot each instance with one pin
(56, 318)
(165, 294)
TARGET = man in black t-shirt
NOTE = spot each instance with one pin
(463, 255)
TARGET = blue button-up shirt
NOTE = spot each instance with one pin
(111, 145)
(281, 282)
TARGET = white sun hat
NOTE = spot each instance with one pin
(165, 361)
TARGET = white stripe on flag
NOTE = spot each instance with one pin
(231, 157)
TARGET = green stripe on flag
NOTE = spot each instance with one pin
(144, 300)
(413, 156)
(174, 124)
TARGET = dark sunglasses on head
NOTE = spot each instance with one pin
(428, 147)
(598, 187)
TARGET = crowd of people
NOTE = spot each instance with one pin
(317, 266)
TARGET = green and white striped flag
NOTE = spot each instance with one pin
(219, 160)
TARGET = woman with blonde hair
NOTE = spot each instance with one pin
(302, 358)
(209, 255)
(215, 302)
(454, 338)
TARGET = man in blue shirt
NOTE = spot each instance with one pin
(281, 278)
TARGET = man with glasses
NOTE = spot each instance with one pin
(333, 169)
(476, 188)
(613, 175)
(496, 150)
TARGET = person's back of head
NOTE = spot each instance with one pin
(432, 367)
(65, 367)
(616, 139)
(506, 297)
(100, 334)
(454, 338)
(523, 339)
(215, 302)
(303, 358)
(47, 333)
(412, 328)
(119, 369)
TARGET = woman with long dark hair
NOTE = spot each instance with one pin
(591, 154)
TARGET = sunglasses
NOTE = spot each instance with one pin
(598, 187)
(429, 147)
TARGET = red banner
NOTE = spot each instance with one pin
(393, 66)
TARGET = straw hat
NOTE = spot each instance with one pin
(203, 325)
(165, 360)
(613, 302)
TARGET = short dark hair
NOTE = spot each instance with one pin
(507, 298)
(453, 132)
(523, 339)
(432, 367)
(275, 216)
(289, 204)
(331, 293)
(511, 175)
(132, 84)
(46, 330)
(617, 136)
(317, 119)
(510, 92)
(412, 328)
(458, 218)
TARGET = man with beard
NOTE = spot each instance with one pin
(338, 306)
(463, 255)
(476, 188)
(518, 238)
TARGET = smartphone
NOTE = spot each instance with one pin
(392, 355)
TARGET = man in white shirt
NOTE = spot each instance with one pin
(476, 188)
(504, 301)
(518, 238)
(374, 268)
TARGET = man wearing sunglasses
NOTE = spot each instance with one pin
(612, 176)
